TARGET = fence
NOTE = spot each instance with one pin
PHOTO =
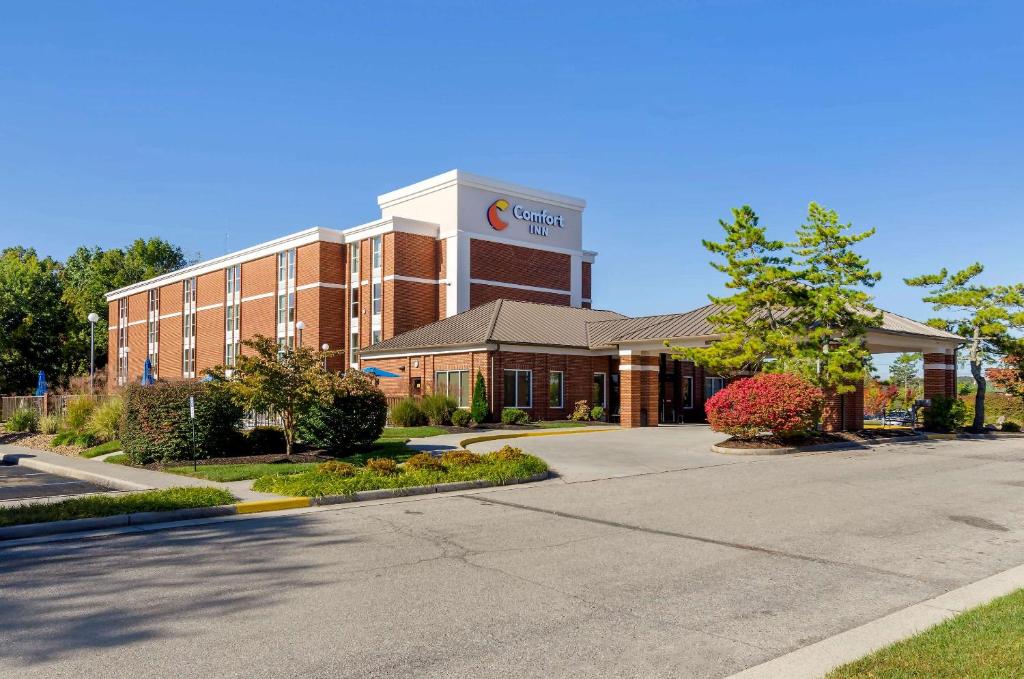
(51, 404)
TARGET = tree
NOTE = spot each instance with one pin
(751, 321)
(987, 317)
(879, 396)
(1009, 375)
(903, 370)
(285, 383)
(479, 408)
(804, 311)
(33, 319)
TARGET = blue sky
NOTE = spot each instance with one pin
(214, 123)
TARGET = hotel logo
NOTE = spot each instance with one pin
(494, 214)
(537, 222)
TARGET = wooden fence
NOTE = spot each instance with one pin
(51, 404)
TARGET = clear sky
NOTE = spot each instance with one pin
(215, 124)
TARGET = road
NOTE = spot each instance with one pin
(697, 572)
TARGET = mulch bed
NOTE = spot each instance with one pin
(863, 435)
(39, 442)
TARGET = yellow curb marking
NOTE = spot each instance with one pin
(272, 505)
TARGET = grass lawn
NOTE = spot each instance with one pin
(120, 458)
(110, 505)
(238, 472)
(411, 432)
(102, 449)
(985, 642)
(316, 483)
(564, 424)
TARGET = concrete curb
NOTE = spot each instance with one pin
(73, 472)
(820, 447)
(522, 434)
(816, 660)
(29, 530)
(388, 493)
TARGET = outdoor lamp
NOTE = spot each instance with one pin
(300, 326)
(93, 317)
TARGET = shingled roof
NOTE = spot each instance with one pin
(506, 321)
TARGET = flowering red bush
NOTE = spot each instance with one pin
(785, 405)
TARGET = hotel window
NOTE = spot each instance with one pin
(286, 266)
(188, 328)
(375, 336)
(713, 385)
(233, 280)
(355, 302)
(353, 257)
(153, 329)
(353, 348)
(291, 307)
(556, 389)
(376, 291)
(597, 394)
(232, 314)
(518, 388)
(376, 246)
(122, 340)
(282, 308)
(453, 384)
(687, 386)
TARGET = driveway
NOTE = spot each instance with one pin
(686, 571)
(23, 483)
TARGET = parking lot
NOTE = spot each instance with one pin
(24, 483)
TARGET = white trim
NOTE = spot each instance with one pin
(517, 286)
(586, 299)
(320, 284)
(208, 307)
(379, 227)
(413, 279)
(407, 353)
(462, 178)
(629, 367)
(927, 366)
(131, 323)
(551, 349)
(253, 298)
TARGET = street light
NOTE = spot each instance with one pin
(300, 326)
(324, 347)
(93, 317)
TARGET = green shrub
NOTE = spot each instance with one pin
(50, 424)
(462, 418)
(1011, 426)
(65, 438)
(337, 468)
(77, 413)
(580, 411)
(514, 416)
(350, 420)
(265, 440)
(423, 461)
(507, 454)
(382, 465)
(460, 458)
(438, 408)
(997, 405)
(479, 409)
(105, 421)
(597, 413)
(23, 420)
(945, 414)
(156, 427)
(407, 413)
(84, 440)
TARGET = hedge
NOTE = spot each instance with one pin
(352, 419)
(783, 404)
(156, 427)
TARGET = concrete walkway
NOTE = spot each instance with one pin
(116, 476)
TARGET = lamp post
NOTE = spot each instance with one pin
(93, 317)
(324, 347)
(300, 326)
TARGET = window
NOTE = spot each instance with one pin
(556, 393)
(286, 266)
(713, 385)
(353, 257)
(188, 328)
(376, 250)
(233, 280)
(353, 348)
(291, 264)
(153, 329)
(687, 387)
(231, 351)
(454, 384)
(282, 308)
(376, 292)
(355, 302)
(375, 336)
(597, 394)
(291, 307)
(518, 388)
(122, 340)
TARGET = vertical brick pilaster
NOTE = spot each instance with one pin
(939, 375)
(638, 390)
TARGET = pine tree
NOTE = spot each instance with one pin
(987, 317)
(479, 409)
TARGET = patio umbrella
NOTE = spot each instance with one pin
(147, 373)
(377, 372)
(41, 384)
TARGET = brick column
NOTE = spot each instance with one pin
(843, 412)
(939, 375)
(638, 390)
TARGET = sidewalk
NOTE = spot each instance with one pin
(117, 476)
(445, 442)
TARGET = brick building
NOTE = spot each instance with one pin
(460, 274)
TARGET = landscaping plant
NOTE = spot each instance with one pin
(23, 420)
(781, 403)
(105, 420)
(581, 411)
(424, 461)
(155, 425)
(438, 408)
(77, 413)
(514, 416)
(349, 417)
(945, 414)
(462, 418)
(265, 440)
(50, 424)
(479, 408)
(407, 413)
(597, 413)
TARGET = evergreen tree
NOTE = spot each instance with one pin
(988, 317)
(903, 370)
(479, 409)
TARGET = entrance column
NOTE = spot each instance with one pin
(940, 374)
(638, 389)
(843, 412)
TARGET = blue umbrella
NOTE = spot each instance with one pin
(377, 372)
(147, 373)
(41, 385)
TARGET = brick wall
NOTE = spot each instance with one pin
(442, 269)
(170, 332)
(522, 265)
(587, 281)
(209, 322)
(480, 293)
(843, 412)
(259, 277)
(638, 391)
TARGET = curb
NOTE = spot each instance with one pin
(72, 472)
(29, 530)
(257, 506)
(388, 493)
(519, 435)
(817, 448)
